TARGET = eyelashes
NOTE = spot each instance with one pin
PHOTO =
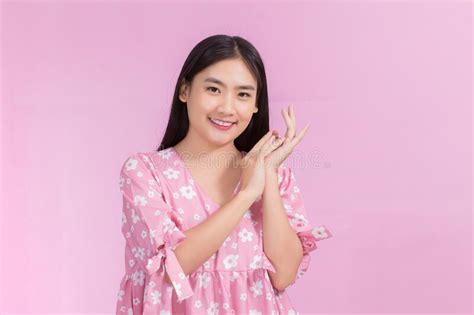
(212, 87)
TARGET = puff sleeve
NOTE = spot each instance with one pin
(297, 215)
(151, 228)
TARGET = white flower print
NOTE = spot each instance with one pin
(288, 208)
(168, 225)
(245, 235)
(152, 233)
(225, 306)
(138, 277)
(280, 178)
(139, 200)
(254, 312)
(135, 217)
(165, 154)
(319, 232)
(171, 173)
(256, 262)
(131, 262)
(175, 195)
(151, 193)
(256, 288)
(144, 234)
(207, 264)
(207, 207)
(187, 192)
(181, 275)
(124, 218)
(269, 296)
(121, 181)
(139, 252)
(292, 312)
(131, 164)
(213, 309)
(204, 279)
(177, 287)
(136, 301)
(157, 213)
(226, 240)
(299, 220)
(234, 245)
(197, 217)
(234, 276)
(198, 304)
(130, 311)
(156, 297)
(180, 210)
(230, 261)
(120, 294)
(296, 189)
(248, 214)
(243, 296)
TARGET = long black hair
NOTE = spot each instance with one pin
(207, 52)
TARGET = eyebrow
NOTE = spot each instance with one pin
(219, 82)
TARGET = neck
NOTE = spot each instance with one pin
(194, 150)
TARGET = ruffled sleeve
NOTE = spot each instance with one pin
(298, 218)
(151, 227)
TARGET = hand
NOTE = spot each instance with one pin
(274, 159)
(253, 165)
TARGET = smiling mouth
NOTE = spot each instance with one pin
(222, 122)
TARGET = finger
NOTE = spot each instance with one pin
(260, 142)
(300, 136)
(267, 147)
(292, 115)
(287, 121)
(290, 131)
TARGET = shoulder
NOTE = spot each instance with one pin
(154, 161)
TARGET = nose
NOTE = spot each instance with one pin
(226, 106)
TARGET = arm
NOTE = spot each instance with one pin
(204, 239)
(280, 242)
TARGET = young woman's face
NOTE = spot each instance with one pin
(225, 91)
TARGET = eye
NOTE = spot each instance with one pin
(212, 87)
(248, 95)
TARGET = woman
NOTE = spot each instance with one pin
(214, 221)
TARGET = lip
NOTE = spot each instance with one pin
(223, 120)
(219, 126)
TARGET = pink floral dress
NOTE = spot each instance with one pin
(161, 201)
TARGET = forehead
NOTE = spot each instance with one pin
(232, 72)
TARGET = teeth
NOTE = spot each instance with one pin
(220, 122)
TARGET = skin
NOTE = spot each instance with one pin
(258, 169)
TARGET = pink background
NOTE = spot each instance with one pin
(387, 90)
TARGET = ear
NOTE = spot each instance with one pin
(183, 92)
(256, 110)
